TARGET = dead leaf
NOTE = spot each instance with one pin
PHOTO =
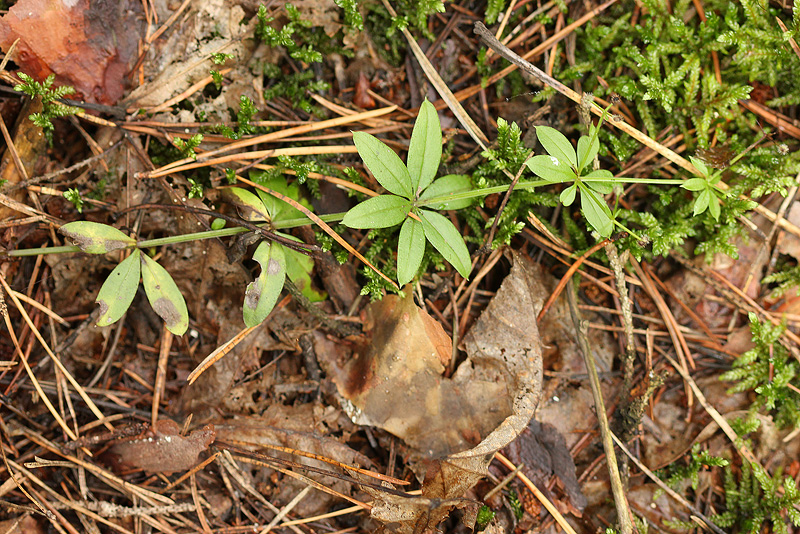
(21, 525)
(362, 97)
(397, 384)
(162, 449)
(87, 45)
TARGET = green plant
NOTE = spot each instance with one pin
(770, 371)
(675, 474)
(186, 148)
(485, 516)
(117, 292)
(757, 498)
(49, 96)
(283, 37)
(407, 185)
(74, 196)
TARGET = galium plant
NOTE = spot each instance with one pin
(409, 185)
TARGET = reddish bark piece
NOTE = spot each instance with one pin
(87, 45)
(162, 449)
(362, 97)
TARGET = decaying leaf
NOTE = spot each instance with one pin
(164, 296)
(95, 238)
(263, 293)
(456, 424)
(87, 45)
(118, 290)
(162, 449)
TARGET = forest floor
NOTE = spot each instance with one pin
(605, 339)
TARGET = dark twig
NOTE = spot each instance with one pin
(487, 245)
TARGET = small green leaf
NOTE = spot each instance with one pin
(96, 238)
(603, 188)
(425, 149)
(447, 240)
(700, 166)
(551, 169)
(118, 290)
(586, 150)
(410, 249)
(567, 196)
(298, 269)
(249, 206)
(596, 211)
(702, 201)
(164, 296)
(446, 186)
(713, 205)
(695, 184)
(378, 212)
(277, 208)
(262, 294)
(384, 164)
(218, 224)
(556, 144)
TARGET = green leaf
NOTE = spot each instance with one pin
(586, 150)
(118, 290)
(695, 184)
(567, 196)
(96, 238)
(425, 149)
(603, 188)
(447, 240)
(410, 249)
(276, 208)
(262, 294)
(596, 211)
(557, 145)
(449, 185)
(378, 212)
(700, 166)
(298, 269)
(702, 201)
(384, 164)
(249, 206)
(713, 205)
(550, 168)
(164, 296)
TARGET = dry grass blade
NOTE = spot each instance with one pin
(322, 224)
(218, 354)
(281, 134)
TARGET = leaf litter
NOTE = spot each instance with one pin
(266, 396)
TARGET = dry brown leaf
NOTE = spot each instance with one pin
(87, 45)
(456, 423)
(162, 449)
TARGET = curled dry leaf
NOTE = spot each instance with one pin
(87, 45)
(456, 424)
(162, 449)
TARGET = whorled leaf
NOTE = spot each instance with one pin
(262, 294)
(164, 296)
(425, 149)
(118, 290)
(384, 164)
(556, 144)
(550, 168)
(447, 186)
(410, 249)
(596, 211)
(298, 269)
(378, 212)
(249, 206)
(96, 238)
(276, 208)
(447, 240)
(588, 147)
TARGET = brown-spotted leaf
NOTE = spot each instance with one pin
(95, 238)
(164, 296)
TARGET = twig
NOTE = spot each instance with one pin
(488, 243)
(620, 501)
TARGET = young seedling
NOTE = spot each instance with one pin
(410, 185)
